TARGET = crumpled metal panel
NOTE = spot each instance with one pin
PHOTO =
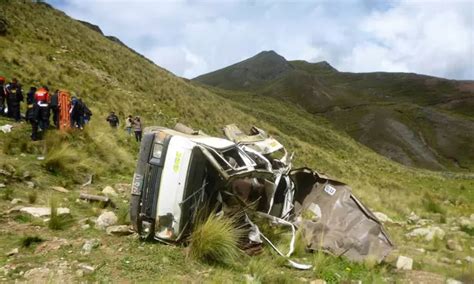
(332, 219)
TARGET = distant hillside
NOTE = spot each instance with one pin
(414, 119)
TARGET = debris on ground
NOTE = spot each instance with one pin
(59, 189)
(97, 198)
(120, 230)
(7, 128)
(251, 176)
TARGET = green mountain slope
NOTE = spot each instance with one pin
(63, 53)
(414, 119)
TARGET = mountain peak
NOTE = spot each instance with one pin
(250, 73)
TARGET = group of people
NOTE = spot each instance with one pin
(131, 123)
(40, 106)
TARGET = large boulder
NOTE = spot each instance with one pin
(106, 219)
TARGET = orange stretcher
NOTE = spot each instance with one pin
(64, 106)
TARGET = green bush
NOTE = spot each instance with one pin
(215, 240)
(56, 221)
(27, 241)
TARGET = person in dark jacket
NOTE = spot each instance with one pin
(77, 113)
(87, 114)
(2, 95)
(14, 99)
(54, 107)
(30, 101)
(113, 120)
(137, 128)
(42, 114)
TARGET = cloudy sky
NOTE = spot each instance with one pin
(192, 37)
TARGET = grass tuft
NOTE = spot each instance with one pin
(215, 241)
(32, 197)
(27, 241)
(56, 221)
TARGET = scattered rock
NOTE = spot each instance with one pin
(469, 259)
(2, 185)
(122, 187)
(413, 218)
(38, 275)
(26, 175)
(60, 189)
(40, 158)
(5, 173)
(446, 260)
(106, 219)
(109, 191)
(428, 233)
(13, 252)
(466, 223)
(458, 262)
(452, 281)
(382, 217)
(30, 184)
(87, 269)
(453, 245)
(80, 273)
(317, 281)
(52, 245)
(43, 211)
(120, 230)
(404, 263)
(14, 209)
(422, 250)
(89, 245)
(85, 226)
(16, 201)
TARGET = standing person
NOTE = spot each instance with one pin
(73, 112)
(42, 113)
(30, 101)
(128, 125)
(54, 107)
(113, 120)
(87, 114)
(14, 99)
(3, 95)
(137, 128)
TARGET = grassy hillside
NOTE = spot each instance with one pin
(414, 119)
(58, 51)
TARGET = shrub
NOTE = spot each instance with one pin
(56, 221)
(32, 197)
(215, 240)
(432, 206)
(7, 193)
(27, 241)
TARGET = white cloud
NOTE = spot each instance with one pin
(194, 37)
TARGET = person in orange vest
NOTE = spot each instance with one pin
(42, 112)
